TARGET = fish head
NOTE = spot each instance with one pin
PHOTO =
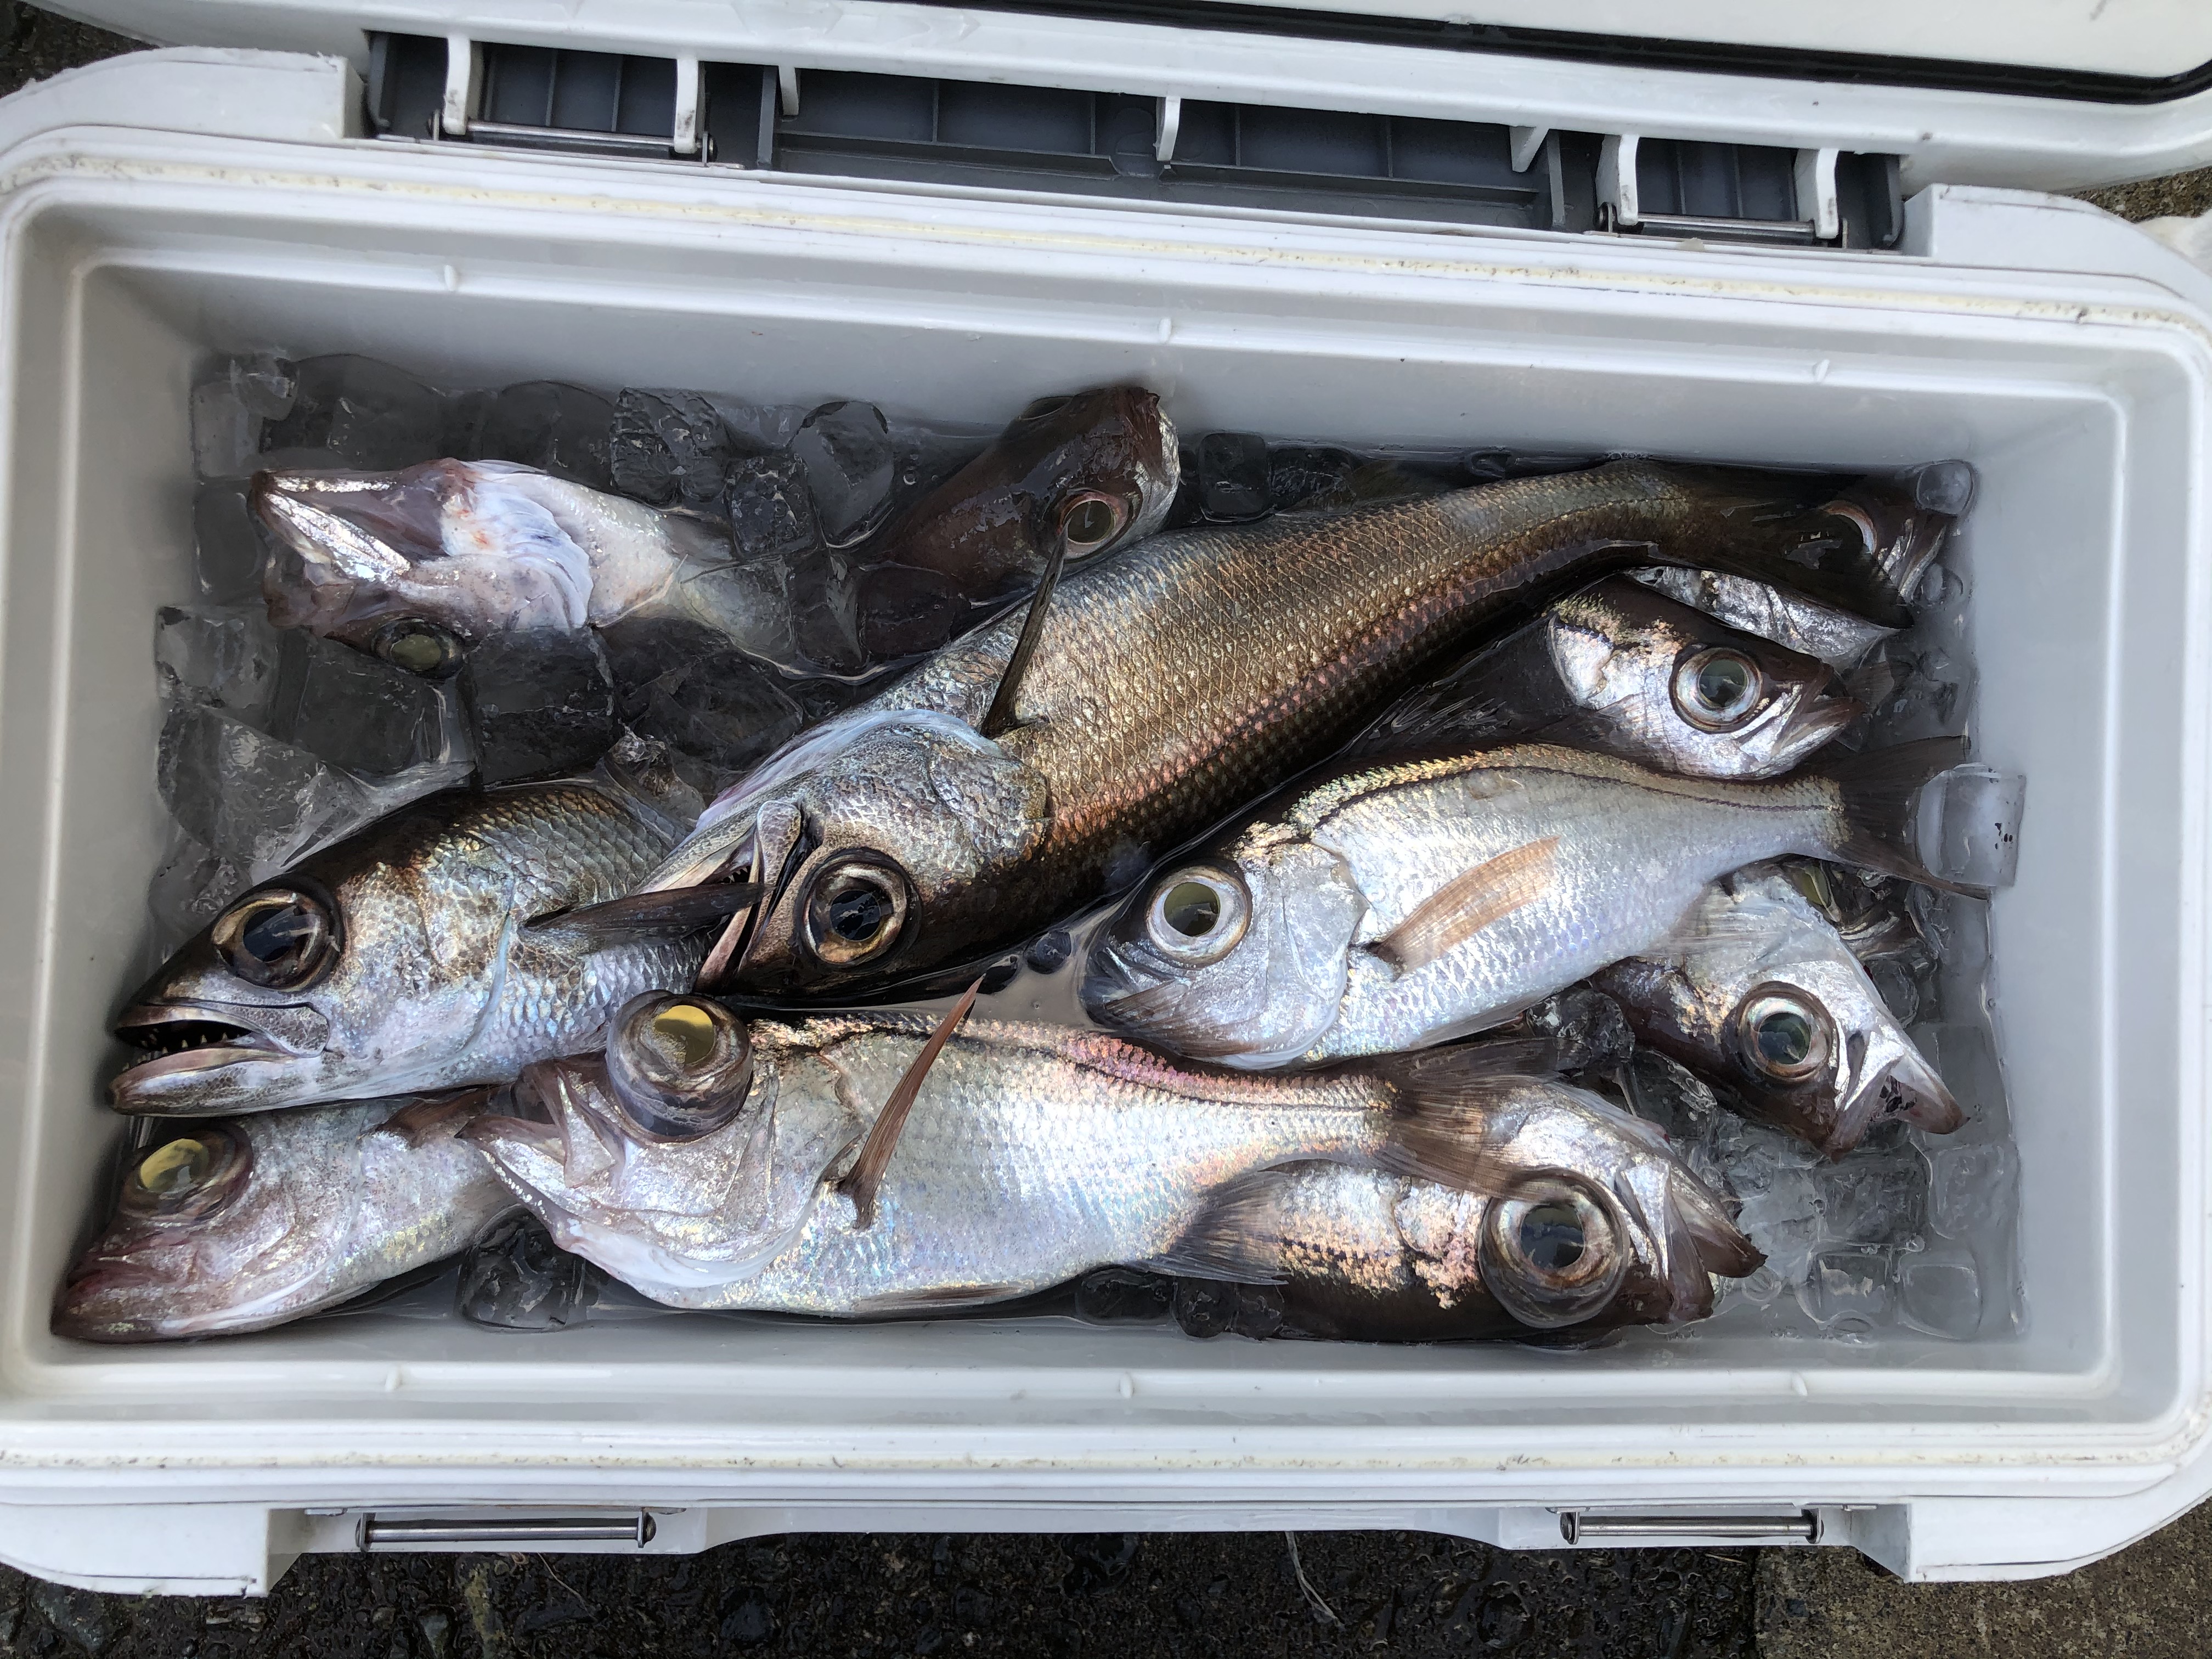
(686, 1152)
(1596, 1221)
(1100, 465)
(223, 1226)
(879, 839)
(1762, 992)
(366, 968)
(412, 566)
(1240, 958)
(1690, 694)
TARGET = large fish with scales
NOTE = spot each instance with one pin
(1173, 682)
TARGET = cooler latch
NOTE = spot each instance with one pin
(1801, 1526)
(1748, 192)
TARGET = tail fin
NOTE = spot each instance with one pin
(1879, 797)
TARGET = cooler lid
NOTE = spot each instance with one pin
(1688, 117)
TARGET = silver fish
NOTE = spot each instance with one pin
(1620, 669)
(411, 566)
(1394, 905)
(1756, 989)
(705, 1166)
(402, 959)
(1833, 636)
(240, 1225)
(1600, 1226)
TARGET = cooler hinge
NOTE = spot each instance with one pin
(1801, 1526)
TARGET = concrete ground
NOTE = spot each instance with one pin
(1127, 1595)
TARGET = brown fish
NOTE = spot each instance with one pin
(1192, 671)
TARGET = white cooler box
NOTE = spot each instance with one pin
(160, 211)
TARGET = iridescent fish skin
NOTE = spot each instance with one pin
(1757, 990)
(399, 960)
(1789, 619)
(1620, 669)
(1392, 905)
(476, 547)
(240, 1225)
(1608, 1228)
(992, 525)
(1185, 675)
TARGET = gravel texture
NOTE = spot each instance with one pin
(1128, 1596)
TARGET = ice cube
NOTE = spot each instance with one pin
(758, 428)
(367, 415)
(229, 545)
(1232, 471)
(225, 660)
(1771, 1174)
(191, 887)
(542, 704)
(1589, 1030)
(1900, 987)
(825, 625)
(516, 1277)
(1874, 1197)
(771, 514)
(903, 612)
(1969, 824)
(1941, 1295)
(355, 711)
(667, 447)
(266, 384)
(1971, 1188)
(1489, 465)
(650, 776)
(847, 450)
(1851, 1292)
(1943, 486)
(1207, 1308)
(720, 709)
(1298, 472)
(1662, 1091)
(1124, 1296)
(226, 434)
(559, 428)
(251, 800)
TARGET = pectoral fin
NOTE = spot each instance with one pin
(1469, 902)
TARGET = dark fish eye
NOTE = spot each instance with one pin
(1197, 915)
(679, 1066)
(1717, 688)
(854, 912)
(279, 938)
(420, 647)
(1090, 522)
(1554, 1249)
(188, 1179)
(1785, 1035)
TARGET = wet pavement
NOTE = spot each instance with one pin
(1128, 1596)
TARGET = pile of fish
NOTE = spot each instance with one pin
(1288, 890)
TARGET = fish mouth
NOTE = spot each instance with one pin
(108, 1299)
(1908, 1090)
(183, 1041)
(1818, 714)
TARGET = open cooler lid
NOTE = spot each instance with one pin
(1735, 120)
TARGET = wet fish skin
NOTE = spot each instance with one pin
(1392, 905)
(329, 1203)
(1620, 669)
(433, 981)
(989, 527)
(1753, 943)
(1032, 1153)
(1187, 674)
(1790, 620)
(476, 548)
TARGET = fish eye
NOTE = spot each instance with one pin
(420, 647)
(1090, 522)
(188, 1179)
(278, 938)
(854, 912)
(679, 1066)
(1785, 1034)
(1197, 915)
(1716, 689)
(1554, 1249)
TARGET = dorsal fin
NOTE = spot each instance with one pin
(999, 718)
